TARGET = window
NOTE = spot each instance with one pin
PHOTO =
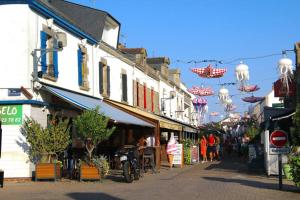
(49, 59)
(124, 87)
(82, 68)
(145, 96)
(104, 78)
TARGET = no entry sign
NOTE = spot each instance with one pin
(278, 138)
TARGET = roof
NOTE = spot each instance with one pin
(133, 50)
(91, 20)
(158, 60)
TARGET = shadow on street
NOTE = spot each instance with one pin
(256, 184)
(91, 196)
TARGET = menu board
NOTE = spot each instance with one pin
(178, 155)
(195, 154)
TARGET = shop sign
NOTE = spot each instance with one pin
(195, 154)
(178, 155)
(11, 114)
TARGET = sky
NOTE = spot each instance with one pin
(187, 30)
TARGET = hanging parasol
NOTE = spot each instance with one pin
(209, 72)
(230, 107)
(214, 114)
(201, 91)
(200, 105)
(200, 101)
(253, 99)
(249, 88)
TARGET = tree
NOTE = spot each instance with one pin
(46, 141)
(91, 126)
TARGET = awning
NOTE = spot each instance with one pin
(87, 102)
(189, 129)
(163, 123)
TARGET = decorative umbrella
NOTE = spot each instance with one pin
(223, 95)
(200, 105)
(249, 88)
(214, 114)
(209, 72)
(285, 66)
(253, 99)
(201, 91)
(242, 73)
(230, 107)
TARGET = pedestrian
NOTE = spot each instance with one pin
(211, 146)
(203, 147)
(171, 148)
(217, 146)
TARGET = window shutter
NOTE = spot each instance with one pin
(108, 80)
(43, 38)
(124, 87)
(101, 77)
(55, 59)
(137, 93)
(134, 92)
(79, 55)
(152, 100)
(145, 96)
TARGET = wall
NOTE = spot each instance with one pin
(14, 49)
(14, 160)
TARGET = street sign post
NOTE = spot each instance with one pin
(278, 140)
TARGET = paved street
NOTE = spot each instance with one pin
(216, 180)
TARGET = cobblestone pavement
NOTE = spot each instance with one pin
(216, 181)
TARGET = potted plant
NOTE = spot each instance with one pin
(92, 127)
(45, 144)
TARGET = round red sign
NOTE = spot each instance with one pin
(278, 138)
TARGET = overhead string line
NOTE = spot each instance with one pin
(234, 60)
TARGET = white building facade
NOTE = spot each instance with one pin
(44, 46)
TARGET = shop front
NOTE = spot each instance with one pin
(60, 103)
(161, 132)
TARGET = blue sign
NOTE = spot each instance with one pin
(14, 92)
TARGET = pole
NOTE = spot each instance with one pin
(280, 170)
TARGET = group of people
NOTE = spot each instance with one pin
(210, 146)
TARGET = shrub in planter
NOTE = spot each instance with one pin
(92, 127)
(45, 144)
(102, 165)
(187, 144)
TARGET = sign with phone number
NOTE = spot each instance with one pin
(11, 114)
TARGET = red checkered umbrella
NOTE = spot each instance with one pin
(253, 99)
(209, 72)
(201, 91)
(249, 88)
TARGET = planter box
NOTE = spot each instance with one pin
(47, 171)
(88, 172)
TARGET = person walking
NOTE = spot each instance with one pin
(203, 147)
(217, 146)
(211, 146)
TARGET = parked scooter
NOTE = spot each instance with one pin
(129, 158)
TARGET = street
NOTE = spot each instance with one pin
(216, 180)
